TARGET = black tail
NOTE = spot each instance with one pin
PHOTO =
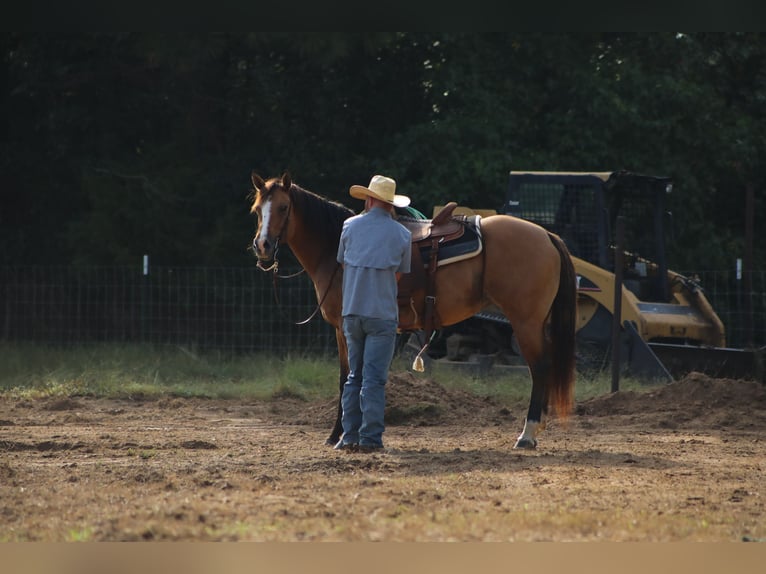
(560, 389)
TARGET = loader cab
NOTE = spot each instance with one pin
(582, 208)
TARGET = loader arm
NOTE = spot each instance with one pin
(687, 318)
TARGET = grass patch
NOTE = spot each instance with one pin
(82, 535)
(142, 371)
(147, 372)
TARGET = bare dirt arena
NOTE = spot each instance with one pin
(682, 462)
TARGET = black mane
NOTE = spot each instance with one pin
(322, 216)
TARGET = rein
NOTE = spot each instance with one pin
(275, 276)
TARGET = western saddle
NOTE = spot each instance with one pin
(416, 296)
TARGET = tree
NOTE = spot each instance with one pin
(115, 145)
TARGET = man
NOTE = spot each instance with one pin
(374, 250)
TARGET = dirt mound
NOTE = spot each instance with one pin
(413, 401)
(61, 404)
(696, 400)
(424, 402)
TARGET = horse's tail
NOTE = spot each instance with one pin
(560, 388)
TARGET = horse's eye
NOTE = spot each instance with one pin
(283, 209)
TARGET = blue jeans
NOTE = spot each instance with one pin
(371, 343)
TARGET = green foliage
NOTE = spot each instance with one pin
(115, 145)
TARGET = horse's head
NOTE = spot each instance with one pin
(272, 207)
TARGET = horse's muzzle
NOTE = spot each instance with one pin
(263, 248)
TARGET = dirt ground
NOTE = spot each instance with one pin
(681, 462)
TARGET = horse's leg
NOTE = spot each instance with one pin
(553, 367)
(337, 430)
(529, 275)
(549, 351)
(533, 346)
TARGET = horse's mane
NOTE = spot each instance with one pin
(322, 216)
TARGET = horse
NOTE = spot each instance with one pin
(523, 269)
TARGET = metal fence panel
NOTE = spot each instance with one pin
(196, 307)
(234, 308)
(739, 299)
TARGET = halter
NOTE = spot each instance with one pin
(275, 265)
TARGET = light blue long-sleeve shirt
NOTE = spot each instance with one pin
(373, 248)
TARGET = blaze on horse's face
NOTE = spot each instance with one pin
(272, 207)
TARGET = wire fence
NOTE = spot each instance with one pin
(198, 308)
(739, 299)
(235, 309)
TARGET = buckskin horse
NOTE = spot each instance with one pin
(520, 267)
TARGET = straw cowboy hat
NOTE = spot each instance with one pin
(382, 188)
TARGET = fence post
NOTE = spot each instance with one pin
(740, 313)
(748, 276)
(144, 296)
(619, 256)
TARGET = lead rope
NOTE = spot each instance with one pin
(275, 276)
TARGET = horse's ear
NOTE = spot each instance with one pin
(287, 181)
(257, 180)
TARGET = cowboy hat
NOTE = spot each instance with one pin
(382, 188)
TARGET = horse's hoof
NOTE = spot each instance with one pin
(331, 442)
(526, 443)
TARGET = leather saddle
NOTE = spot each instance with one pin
(444, 225)
(439, 241)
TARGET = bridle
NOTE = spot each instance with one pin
(274, 268)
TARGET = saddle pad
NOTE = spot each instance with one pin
(468, 245)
